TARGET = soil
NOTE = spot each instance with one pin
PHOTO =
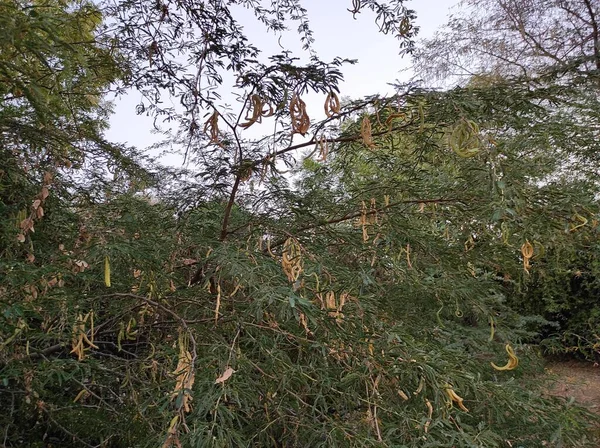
(580, 380)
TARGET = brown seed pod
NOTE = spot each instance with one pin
(256, 111)
(355, 8)
(323, 149)
(332, 104)
(267, 112)
(300, 120)
(365, 132)
(211, 127)
(389, 122)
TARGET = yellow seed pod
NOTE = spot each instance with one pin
(492, 329)
(107, 271)
(402, 395)
(582, 222)
(464, 138)
(291, 259)
(527, 252)
(512, 363)
(454, 397)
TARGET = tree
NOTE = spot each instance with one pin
(231, 306)
(514, 38)
(550, 48)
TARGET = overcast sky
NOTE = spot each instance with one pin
(336, 34)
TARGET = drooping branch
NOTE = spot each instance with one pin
(354, 215)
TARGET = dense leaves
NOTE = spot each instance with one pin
(357, 299)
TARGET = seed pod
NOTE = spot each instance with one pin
(300, 120)
(211, 127)
(464, 139)
(254, 112)
(365, 132)
(107, 272)
(527, 252)
(512, 363)
(323, 149)
(355, 8)
(291, 260)
(332, 104)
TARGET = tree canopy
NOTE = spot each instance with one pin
(383, 277)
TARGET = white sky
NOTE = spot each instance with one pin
(336, 34)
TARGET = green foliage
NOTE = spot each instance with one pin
(357, 301)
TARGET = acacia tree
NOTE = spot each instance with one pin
(232, 313)
(514, 38)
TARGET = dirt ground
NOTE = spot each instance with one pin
(579, 380)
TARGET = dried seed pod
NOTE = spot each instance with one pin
(323, 148)
(304, 323)
(267, 112)
(363, 221)
(300, 120)
(211, 127)
(527, 252)
(184, 373)
(373, 215)
(291, 260)
(267, 162)
(332, 104)
(389, 122)
(355, 8)
(79, 338)
(256, 111)
(365, 132)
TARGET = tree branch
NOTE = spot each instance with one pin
(350, 216)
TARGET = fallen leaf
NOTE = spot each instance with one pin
(226, 375)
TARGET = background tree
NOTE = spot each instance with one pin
(551, 48)
(514, 38)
